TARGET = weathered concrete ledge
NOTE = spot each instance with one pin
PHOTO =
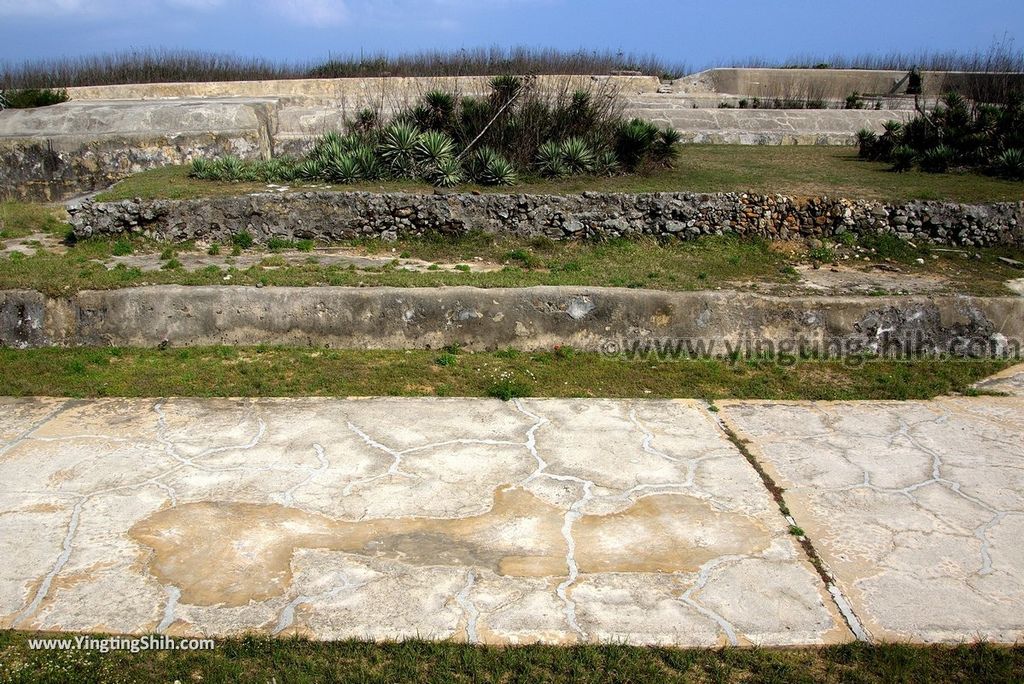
(838, 83)
(713, 126)
(596, 319)
(52, 153)
(353, 90)
(331, 216)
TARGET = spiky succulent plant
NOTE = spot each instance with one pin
(549, 160)
(447, 173)
(311, 169)
(202, 169)
(1011, 164)
(344, 170)
(577, 156)
(903, 157)
(434, 146)
(398, 148)
(499, 171)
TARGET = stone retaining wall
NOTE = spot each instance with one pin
(332, 216)
(608, 320)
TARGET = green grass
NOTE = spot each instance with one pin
(800, 171)
(259, 659)
(622, 263)
(276, 371)
(18, 219)
(707, 263)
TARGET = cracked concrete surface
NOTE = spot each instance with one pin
(1010, 381)
(538, 520)
(556, 521)
(917, 508)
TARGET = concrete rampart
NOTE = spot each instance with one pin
(56, 152)
(765, 126)
(830, 84)
(345, 89)
(108, 132)
(333, 216)
(836, 84)
(608, 320)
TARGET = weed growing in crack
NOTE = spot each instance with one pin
(507, 387)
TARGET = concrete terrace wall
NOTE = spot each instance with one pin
(833, 84)
(342, 89)
(594, 319)
(331, 216)
(108, 132)
(766, 126)
(55, 152)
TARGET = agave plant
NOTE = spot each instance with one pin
(440, 107)
(1011, 164)
(549, 160)
(398, 148)
(229, 168)
(666, 146)
(368, 164)
(581, 101)
(954, 101)
(634, 141)
(329, 148)
(577, 156)
(202, 169)
(937, 159)
(250, 171)
(607, 164)
(891, 128)
(988, 117)
(274, 171)
(344, 169)
(479, 160)
(867, 142)
(903, 157)
(474, 113)
(434, 146)
(330, 138)
(419, 115)
(365, 121)
(311, 169)
(499, 171)
(505, 87)
(446, 173)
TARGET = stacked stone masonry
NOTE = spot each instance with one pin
(332, 216)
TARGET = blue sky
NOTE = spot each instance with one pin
(691, 32)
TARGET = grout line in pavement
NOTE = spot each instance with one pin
(842, 603)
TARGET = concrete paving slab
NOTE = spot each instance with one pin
(916, 507)
(556, 521)
(1010, 381)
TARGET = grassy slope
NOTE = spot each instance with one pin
(255, 659)
(273, 371)
(789, 170)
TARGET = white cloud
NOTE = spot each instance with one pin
(55, 9)
(44, 8)
(196, 4)
(312, 12)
